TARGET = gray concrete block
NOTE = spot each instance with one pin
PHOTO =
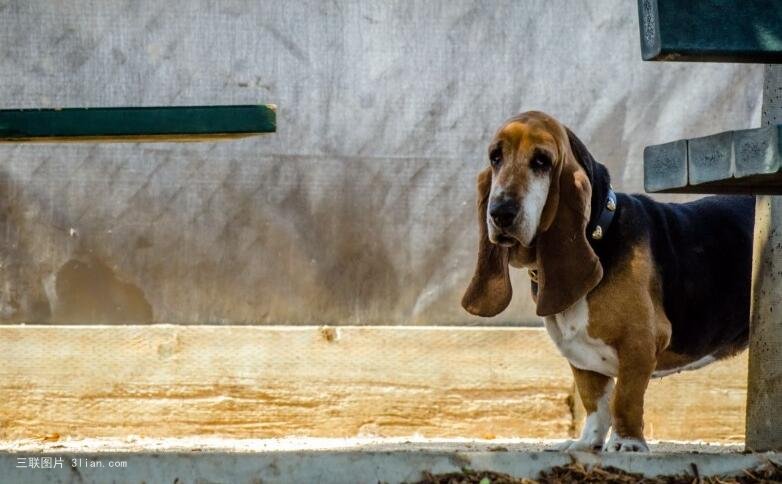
(665, 166)
(405, 464)
(756, 151)
(710, 158)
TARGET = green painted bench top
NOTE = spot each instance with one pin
(177, 123)
(711, 30)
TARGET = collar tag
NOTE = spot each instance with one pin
(533, 275)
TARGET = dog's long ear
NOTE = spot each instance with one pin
(489, 292)
(568, 268)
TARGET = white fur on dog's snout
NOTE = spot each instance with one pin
(525, 226)
(532, 208)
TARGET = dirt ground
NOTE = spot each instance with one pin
(576, 473)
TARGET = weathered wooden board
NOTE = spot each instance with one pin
(764, 395)
(277, 381)
(711, 30)
(258, 382)
(741, 161)
(707, 404)
(172, 123)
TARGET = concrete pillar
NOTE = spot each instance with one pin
(764, 394)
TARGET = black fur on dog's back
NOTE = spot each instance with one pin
(703, 253)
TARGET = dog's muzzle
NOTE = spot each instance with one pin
(503, 217)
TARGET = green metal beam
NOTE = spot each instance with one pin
(178, 123)
(711, 30)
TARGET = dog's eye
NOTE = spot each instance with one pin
(495, 157)
(540, 162)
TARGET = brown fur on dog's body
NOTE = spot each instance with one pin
(607, 303)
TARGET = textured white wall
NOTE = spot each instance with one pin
(360, 209)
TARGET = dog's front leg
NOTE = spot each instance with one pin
(636, 363)
(595, 391)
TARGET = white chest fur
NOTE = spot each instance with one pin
(568, 329)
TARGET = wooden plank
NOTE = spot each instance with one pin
(177, 123)
(743, 161)
(706, 404)
(244, 381)
(764, 398)
(711, 30)
(764, 395)
(260, 382)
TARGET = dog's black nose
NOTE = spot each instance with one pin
(503, 213)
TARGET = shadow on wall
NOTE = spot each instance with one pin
(22, 299)
(89, 292)
(351, 275)
(85, 290)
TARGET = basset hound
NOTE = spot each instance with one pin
(629, 288)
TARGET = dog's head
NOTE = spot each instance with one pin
(533, 208)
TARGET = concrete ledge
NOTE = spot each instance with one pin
(367, 462)
(743, 161)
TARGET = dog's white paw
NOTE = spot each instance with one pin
(625, 444)
(581, 445)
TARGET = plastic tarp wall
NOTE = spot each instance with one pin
(360, 210)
